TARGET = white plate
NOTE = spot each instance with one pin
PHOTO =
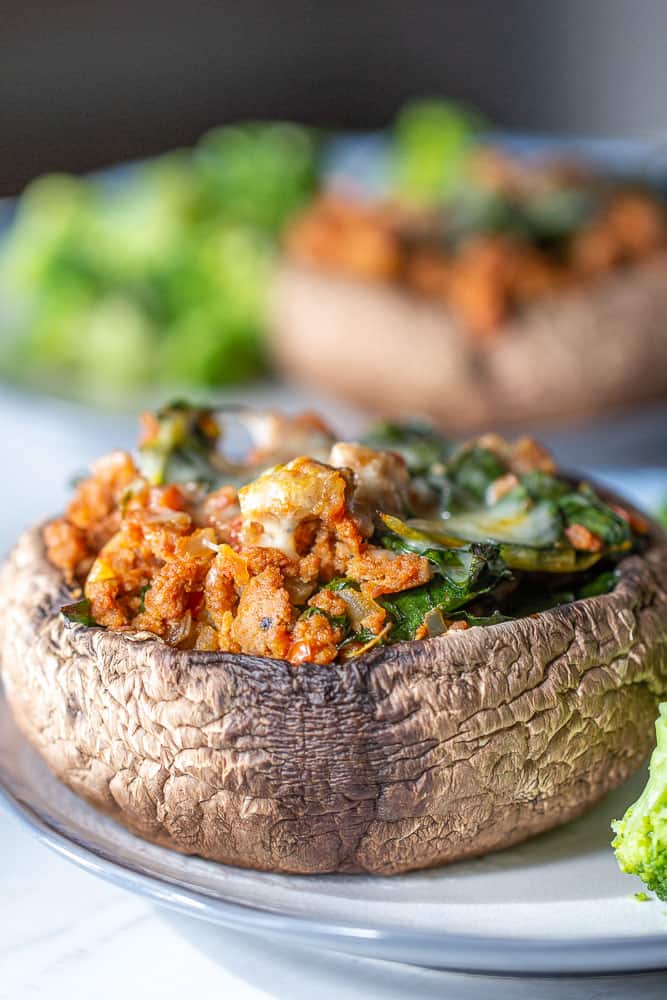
(555, 904)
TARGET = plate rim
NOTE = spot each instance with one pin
(488, 955)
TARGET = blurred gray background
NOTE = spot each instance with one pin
(84, 83)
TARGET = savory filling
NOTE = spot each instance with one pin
(513, 234)
(313, 550)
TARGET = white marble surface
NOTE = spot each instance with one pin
(65, 935)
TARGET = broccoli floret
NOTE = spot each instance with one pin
(641, 836)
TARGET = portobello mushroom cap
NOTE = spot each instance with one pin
(410, 756)
(578, 352)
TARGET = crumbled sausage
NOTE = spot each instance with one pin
(384, 572)
(582, 539)
(486, 276)
(264, 598)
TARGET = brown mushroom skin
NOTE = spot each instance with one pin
(575, 353)
(412, 756)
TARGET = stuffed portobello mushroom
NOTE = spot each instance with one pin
(332, 656)
(529, 292)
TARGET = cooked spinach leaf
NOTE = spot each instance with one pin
(546, 218)
(362, 636)
(494, 618)
(408, 609)
(341, 583)
(585, 507)
(142, 593)
(603, 583)
(79, 612)
(337, 621)
(460, 574)
(419, 444)
(472, 470)
(183, 449)
(537, 594)
(543, 486)
(463, 567)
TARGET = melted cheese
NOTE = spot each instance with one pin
(382, 481)
(286, 496)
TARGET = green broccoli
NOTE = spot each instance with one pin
(641, 836)
(432, 140)
(662, 515)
